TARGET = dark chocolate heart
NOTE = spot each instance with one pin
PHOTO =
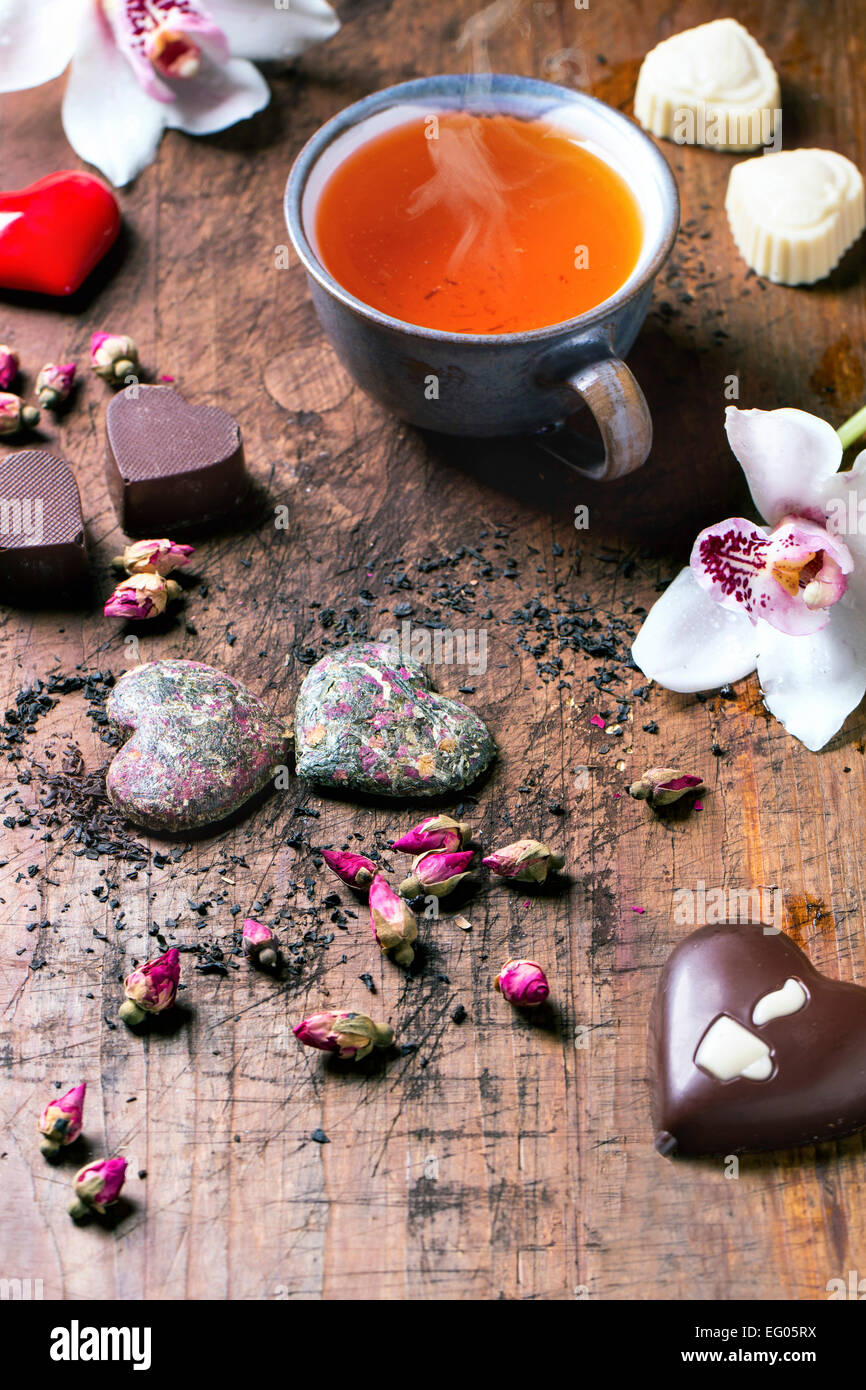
(42, 549)
(366, 721)
(171, 465)
(199, 744)
(807, 1084)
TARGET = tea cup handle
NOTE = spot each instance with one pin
(621, 413)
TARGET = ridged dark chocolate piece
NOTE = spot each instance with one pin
(816, 1086)
(42, 547)
(171, 465)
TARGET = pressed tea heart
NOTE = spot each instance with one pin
(751, 1048)
(171, 464)
(367, 722)
(53, 233)
(199, 744)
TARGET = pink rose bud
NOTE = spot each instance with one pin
(9, 363)
(154, 557)
(54, 384)
(96, 1186)
(353, 869)
(152, 988)
(350, 1035)
(392, 921)
(662, 785)
(15, 415)
(61, 1121)
(522, 982)
(436, 832)
(113, 356)
(260, 943)
(141, 596)
(437, 872)
(527, 861)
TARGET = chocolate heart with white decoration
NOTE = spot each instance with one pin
(198, 745)
(55, 231)
(750, 1047)
(367, 720)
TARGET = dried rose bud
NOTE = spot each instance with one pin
(527, 861)
(9, 364)
(436, 832)
(113, 356)
(61, 1121)
(350, 1035)
(260, 943)
(54, 384)
(353, 869)
(97, 1185)
(142, 596)
(154, 557)
(662, 785)
(392, 921)
(522, 982)
(15, 415)
(152, 988)
(437, 872)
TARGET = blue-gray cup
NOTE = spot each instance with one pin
(487, 384)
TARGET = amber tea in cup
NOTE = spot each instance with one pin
(472, 222)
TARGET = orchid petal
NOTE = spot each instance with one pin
(689, 642)
(788, 456)
(263, 31)
(108, 119)
(218, 97)
(37, 41)
(812, 683)
(790, 578)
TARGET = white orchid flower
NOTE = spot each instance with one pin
(787, 599)
(139, 67)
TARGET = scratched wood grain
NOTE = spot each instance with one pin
(502, 1158)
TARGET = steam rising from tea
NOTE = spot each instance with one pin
(478, 224)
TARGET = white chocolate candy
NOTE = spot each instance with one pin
(790, 999)
(713, 85)
(794, 214)
(728, 1050)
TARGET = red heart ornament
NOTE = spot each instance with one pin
(54, 232)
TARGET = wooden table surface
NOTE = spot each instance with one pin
(501, 1157)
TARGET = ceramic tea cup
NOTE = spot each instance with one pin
(530, 382)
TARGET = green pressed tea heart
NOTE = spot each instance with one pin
(198, 745)
(371, 723)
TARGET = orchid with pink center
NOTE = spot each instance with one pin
(788, 599)
(139, 67)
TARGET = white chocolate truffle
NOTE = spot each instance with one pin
(794, 214)
(713, 85)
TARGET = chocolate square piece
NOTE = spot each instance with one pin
(171, 465)
(42, 547)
